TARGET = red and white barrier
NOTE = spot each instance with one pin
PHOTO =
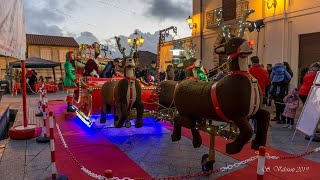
(43, 138)
(53, 155)
(54, 173)
(261, 162)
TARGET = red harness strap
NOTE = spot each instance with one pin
(216, 104)
(215, 101)
(130, 92)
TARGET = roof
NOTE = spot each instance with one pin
(146, 57)
(34, 39)
(35, 62)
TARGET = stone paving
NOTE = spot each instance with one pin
(150, 147)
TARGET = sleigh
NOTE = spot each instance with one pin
(88, 98)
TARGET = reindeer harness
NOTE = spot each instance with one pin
(254, 99)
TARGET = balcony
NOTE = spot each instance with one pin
(229, 14)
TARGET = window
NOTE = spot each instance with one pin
(45, 54)
(229, 8)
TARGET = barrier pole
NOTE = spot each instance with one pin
(54, 174)
(24, 93)
(261, 162)
(43, 138)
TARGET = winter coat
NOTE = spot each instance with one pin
(153, 72)
(69, 76)
(307, 83)
(292, 104)
(108, 71)
(219, 76)
(261, 75)
(280, 74)
(89, 67)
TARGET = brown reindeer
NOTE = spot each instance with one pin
(122, 96)
(234, 98)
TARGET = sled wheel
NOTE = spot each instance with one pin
(206, 165)
(128, 124)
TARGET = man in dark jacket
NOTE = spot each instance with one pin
(110, 69)
(152, 71)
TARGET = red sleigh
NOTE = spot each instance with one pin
(88, 97)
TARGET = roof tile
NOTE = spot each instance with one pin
(34, 39)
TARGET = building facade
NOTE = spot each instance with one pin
(53, 48)
(290, 34)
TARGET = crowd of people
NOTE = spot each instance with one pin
(274, 82)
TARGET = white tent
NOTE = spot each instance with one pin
(13, 44)
(12, 29)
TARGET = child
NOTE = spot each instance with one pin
(292, 103)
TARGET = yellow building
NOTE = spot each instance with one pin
(52, 48)
(290, 34)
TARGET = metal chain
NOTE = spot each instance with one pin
(294, 156)
(85, 170)
(235, 165)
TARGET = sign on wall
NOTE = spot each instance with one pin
(310, 114)
(12, 29)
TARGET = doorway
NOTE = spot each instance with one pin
(309, 52)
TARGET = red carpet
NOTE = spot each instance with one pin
(91, 149)
(247, 152)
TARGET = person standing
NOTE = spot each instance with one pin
(292, 103)
(308, 81)
(153, 72)
(260, 74)
(263, 79)
(280, 78)
(69, 80)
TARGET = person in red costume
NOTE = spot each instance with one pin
(260, 74)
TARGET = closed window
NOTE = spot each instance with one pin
(229, 8)
(45, 54)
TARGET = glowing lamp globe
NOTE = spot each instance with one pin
(141, 40)
(129, 40)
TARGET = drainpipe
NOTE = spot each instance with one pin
(201, 28)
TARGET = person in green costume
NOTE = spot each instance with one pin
(201, 73)
(69, 80)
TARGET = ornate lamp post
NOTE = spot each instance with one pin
(135, 43)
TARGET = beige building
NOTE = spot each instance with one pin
(291, 32)
(52, 48)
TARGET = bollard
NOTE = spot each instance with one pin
(54, 174)
(40, 108)
(261, 162)
(108, 173)
(43, 138)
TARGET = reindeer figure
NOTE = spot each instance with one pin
(235, 98)
(123, 95)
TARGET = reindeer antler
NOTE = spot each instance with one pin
(121, 49)
(225, 29)
(190, 53)
(244, 23)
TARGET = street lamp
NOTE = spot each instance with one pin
(190, 23)
(135, 42)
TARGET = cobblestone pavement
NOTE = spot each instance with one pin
(150, 147)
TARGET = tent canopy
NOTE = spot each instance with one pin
(35, 62)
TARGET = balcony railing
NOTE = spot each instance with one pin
(210, 17)
(241, 6)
